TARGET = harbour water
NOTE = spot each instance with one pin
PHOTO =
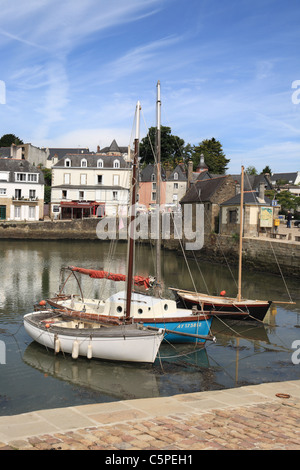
(33, 378)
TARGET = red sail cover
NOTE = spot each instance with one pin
(138, 280)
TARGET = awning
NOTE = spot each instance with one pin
(80, 205)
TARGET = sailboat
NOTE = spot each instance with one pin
(116, 341)
(228, 307)
(153, 311)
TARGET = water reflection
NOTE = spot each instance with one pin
(34, 378)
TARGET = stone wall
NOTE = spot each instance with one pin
(261, 254)
(258, 253)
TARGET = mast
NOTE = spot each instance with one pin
(241, 236)
(158, 176)
(134, 183)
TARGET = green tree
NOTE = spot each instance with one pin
(214, 156)
(286, 199)
(251, 170)
(267, 169)
(8, 139)
(172, 147)
(47, 172)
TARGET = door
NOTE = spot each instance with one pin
(2, 212)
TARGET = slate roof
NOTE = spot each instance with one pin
(180, 172)
(91, 159)
(61, 152)
(4, 152)
(251, 182)
(147, 172)
(114, 148)
(202, 191)
(250, 198)
(290, 177)
(19, 166)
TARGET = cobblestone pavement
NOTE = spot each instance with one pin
(263, 417)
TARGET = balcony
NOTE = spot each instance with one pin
(24, 199)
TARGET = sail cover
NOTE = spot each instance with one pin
(95, 274)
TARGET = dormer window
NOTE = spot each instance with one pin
(100, 163)
(67, 162)
(83, 163)
(153, 177)
(116, 164)
(176, 176)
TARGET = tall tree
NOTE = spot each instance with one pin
(172, 147)
(251, 170)
(214, 156)
(267, 169)
(8, 139)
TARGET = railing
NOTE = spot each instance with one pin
(25, 199)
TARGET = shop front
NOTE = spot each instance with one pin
(81, 210)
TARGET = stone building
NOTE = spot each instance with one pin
(211, 192)
(259, 213)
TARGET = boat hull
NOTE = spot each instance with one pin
(188, 327)
(180, 321)
(228, 308)
(117, 343)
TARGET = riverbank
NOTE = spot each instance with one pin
(255, 417)
(273, 255)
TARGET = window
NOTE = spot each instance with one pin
(32, 177)
(67, 178)
(115, 195)
(17, 212)
(4, 176)
(153, 186)
(83, 163)
(153, 196)
(32, 193)
(68, 162)
(153, 177)
(176, 176)
(83, 178)
(116, 180)
(21, 177)
(31, 214)
(81, 195)
(99, 179)
(18, 193)
(100, 163)
(2, 191)
(175, 185)
(116, 164)
(64, 194)
(232, 216)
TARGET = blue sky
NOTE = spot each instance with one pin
(74, 70)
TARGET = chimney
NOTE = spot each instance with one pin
(98, 148)
(261, 191)
(202, 166)
(237, 188)
(190, 173)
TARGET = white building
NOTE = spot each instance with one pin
(85, 185)
(21, 190)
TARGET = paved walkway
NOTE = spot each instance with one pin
(251, 417)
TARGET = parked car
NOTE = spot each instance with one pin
(296, 223)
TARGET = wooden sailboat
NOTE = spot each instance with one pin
(107, 340)
(228, 307)
(155, 311)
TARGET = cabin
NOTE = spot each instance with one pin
(259, 213)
